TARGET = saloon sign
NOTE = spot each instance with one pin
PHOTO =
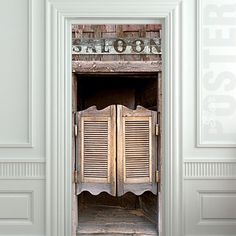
(117, 46)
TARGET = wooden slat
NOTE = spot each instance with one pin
(115, 66)
(137, 162)
(95, 154)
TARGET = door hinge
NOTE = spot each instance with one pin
(76, 130)
(157, 176)
(157, 129)
(75, 176)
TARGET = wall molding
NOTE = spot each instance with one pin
(212, 169)
(29, 143)
(217, 194)
(15, 170)
(18, 195)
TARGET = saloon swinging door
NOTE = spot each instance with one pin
(116, 150)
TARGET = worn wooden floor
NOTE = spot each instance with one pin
(107, 220)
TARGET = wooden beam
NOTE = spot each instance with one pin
(115, 66)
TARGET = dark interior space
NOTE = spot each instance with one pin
(107, 89)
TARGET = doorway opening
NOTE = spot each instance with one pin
(102, 209)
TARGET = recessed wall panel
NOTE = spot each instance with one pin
(22, 207)
(15, 206)
(210, 207)
(216, 73)
(218, 206)
(14, 73)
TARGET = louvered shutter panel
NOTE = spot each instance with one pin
(96, 150)
(137, 150)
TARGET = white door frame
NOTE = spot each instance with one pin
(60, 15)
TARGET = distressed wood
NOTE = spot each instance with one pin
(74, 197)
(160, 122)
(137, 150)
(96, 152)
(96, 32)
(116, 66)
(113, 28)
(74, 93)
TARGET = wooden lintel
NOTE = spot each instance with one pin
(116, 66)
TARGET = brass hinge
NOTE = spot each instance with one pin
(157, 129)
(76, 130)
(157, 176)
(75, 176)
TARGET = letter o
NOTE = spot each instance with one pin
(120, 45)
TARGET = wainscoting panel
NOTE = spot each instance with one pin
(217, 206)
(210, 207)
(22, 207)
(16, 207)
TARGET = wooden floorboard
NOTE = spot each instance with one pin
(104, 220)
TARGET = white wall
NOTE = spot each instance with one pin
(22, 117)
(209, 118)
